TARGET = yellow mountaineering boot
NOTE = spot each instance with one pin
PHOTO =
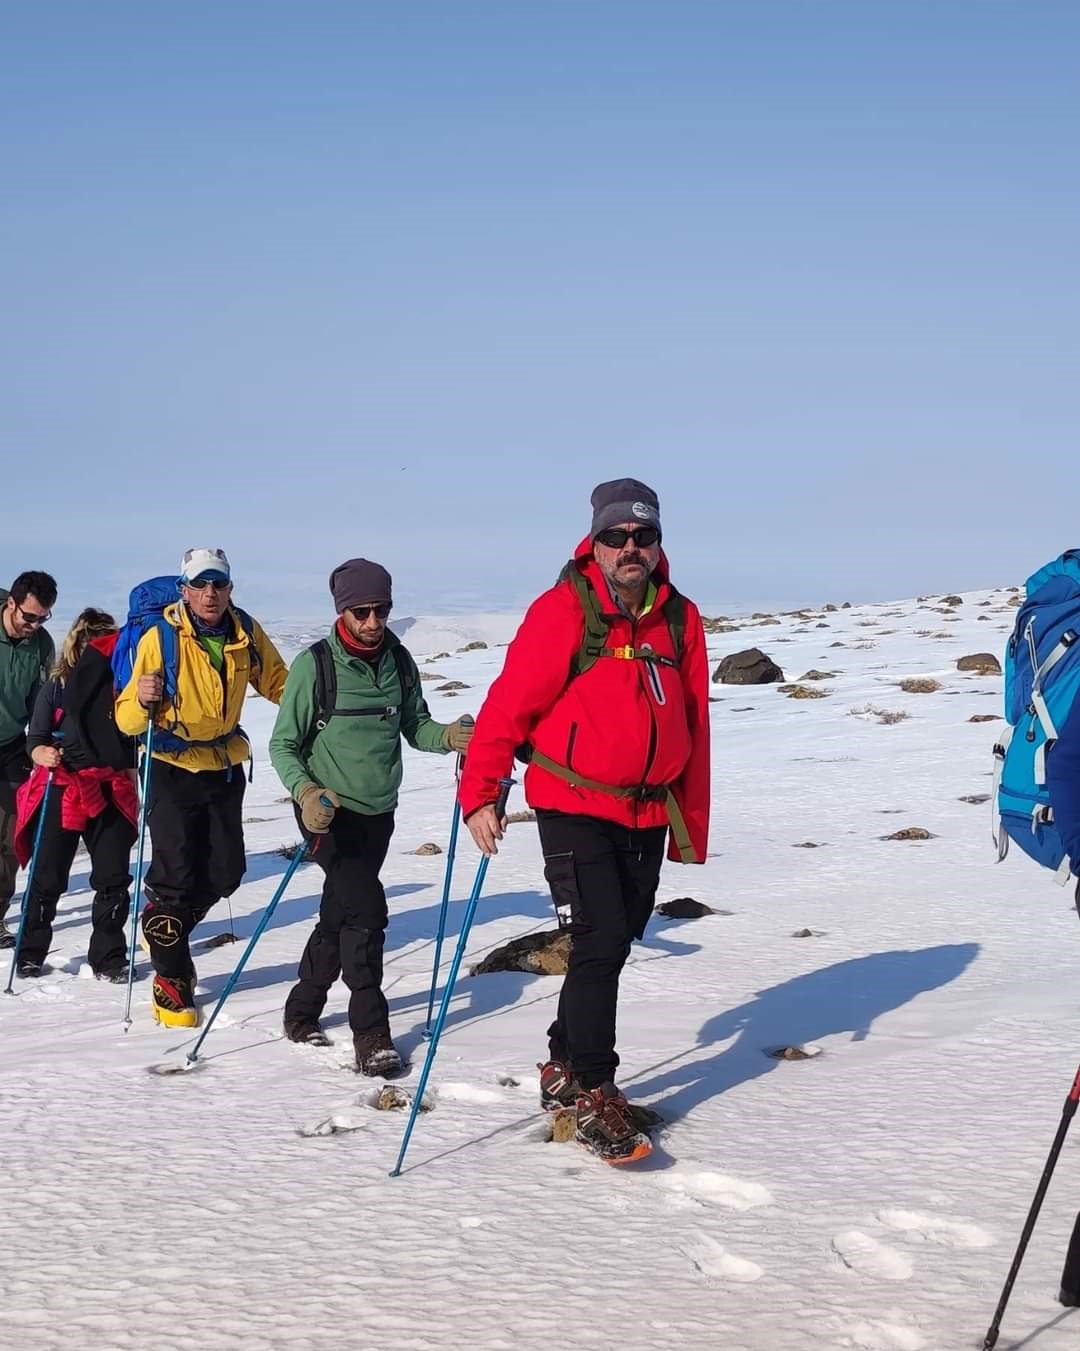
(172, 999)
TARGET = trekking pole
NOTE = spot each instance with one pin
(1069, 1294)
(303, 849)
(455, 821)
(136, 898)
(466, 924)
(29, 881)
(1067, 1114)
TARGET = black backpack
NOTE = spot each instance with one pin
(91, 738)
(326, 690)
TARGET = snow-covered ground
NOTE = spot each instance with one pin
(867, 1197)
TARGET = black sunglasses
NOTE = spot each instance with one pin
(643, 536)
(201, 583)
(361, 612)
(29, 618)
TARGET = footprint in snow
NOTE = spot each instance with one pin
(935, 1229)
(877, 1335)
(715, 1262)
(468, 1093)
(867, 1257)
(718, 1189)
(338, 1123)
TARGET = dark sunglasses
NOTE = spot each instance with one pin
(201, 583)
(361, 612)
(644, 536)
(29, 618)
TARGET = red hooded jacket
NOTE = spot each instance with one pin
(612, 723)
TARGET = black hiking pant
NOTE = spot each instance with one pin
(348, 939)
(109, 837)
(14, 770)
(604, 877)
(196, 827)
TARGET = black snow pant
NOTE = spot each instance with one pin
(196, 827)
(603, 878)
(348, 939)
(14, 770)
(109, 837)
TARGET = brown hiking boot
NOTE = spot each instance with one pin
(606, 1128)
(559, 1086)
(376, 1054)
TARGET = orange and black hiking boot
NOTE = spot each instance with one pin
(172, 999)
(606, 1128)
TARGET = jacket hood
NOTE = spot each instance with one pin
(106, 644)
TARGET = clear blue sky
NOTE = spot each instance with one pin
(406, 279)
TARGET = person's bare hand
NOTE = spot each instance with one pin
(486, 828)
(49, 756)
(150, 689)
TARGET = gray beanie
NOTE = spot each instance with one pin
(623, 499)
(359, 582)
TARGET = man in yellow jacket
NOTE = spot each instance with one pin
(196, 793)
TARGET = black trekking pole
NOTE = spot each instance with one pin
(1069, 1294)
(1067, 1114)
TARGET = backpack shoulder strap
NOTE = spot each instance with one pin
(675, 614)
(325, 683)
(325, 691)
(594, 638)
(248, 625)
(406, 669)
(170, 655)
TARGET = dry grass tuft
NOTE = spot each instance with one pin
(803, 692)
(887, 717)
(920, 685)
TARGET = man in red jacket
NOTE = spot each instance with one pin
(606, 684)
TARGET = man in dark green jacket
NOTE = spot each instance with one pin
(27, 654)
(341, 762)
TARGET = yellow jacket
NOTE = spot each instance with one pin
(208, 703)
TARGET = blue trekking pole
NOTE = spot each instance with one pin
(29, 881)
(136, 899)
(455, 821)
(466, 924)
(303, 850)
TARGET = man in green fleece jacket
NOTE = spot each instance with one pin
(27, 654)
(342, 765)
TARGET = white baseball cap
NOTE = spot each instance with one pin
(204, 562)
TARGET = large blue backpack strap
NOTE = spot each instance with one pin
(170, 656)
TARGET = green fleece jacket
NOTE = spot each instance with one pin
(24, 667)
(357, 758)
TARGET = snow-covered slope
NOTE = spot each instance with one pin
(867, 1197)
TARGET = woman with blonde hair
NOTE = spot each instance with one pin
(72, 738)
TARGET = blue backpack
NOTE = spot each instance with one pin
(146, 609)
(1042, 679)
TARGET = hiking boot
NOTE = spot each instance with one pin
(605, 1126)
(172, 999)
(27, 968)
(376, 1055)
(559, 1086)
(115, 975)
(7, 938)
(306, 1031)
